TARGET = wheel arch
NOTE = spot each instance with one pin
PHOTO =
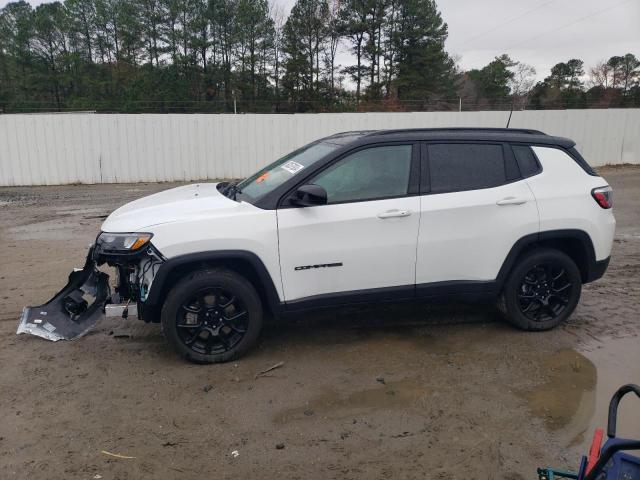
(245, 263)
(576, 244)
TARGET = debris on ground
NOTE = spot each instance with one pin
(279, 446)
(271, 368)
(380, 380)
(235, 454)
(207, 388)
(115, 455)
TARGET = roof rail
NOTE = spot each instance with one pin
(460, 129)
(351, 133)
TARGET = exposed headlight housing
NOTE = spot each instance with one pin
(122, 242)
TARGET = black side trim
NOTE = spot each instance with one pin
(469, 290)
(159, 287)
(464, 288)
(370, 295)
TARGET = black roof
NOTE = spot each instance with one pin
(532, 137)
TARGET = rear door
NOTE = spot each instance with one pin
(474, 207)
(364, 240)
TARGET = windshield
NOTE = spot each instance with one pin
(274, 175)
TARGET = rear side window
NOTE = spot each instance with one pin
(527, 160)
(458, 167)
(582, 162)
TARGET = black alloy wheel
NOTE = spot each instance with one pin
(212, 321)
(213, 315)
(544, 292)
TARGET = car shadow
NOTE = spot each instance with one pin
(353, 323)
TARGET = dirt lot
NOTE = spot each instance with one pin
(444, 392)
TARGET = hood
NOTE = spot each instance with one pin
(187, 202)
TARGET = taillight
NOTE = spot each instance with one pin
(604, 196)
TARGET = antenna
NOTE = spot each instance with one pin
(510, 113)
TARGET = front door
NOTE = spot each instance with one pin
(364, 239)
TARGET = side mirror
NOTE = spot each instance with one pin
(309, 196)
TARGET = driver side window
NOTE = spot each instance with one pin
(371, 174)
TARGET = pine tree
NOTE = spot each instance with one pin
(492, 81)
(425, 70)
(303, 41)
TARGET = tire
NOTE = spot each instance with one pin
(541, 291)
(202, 317)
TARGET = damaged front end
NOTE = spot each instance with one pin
(77, 308)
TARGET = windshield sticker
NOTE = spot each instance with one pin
(292, 167)
(262, 177)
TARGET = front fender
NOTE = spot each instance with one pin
(165, 277)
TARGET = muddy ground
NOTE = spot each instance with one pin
(413, 391)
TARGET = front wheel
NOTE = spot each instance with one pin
(212, 316)
(542, 290)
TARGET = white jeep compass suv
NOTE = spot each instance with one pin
(370, 216)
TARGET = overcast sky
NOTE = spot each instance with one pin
(538, 32)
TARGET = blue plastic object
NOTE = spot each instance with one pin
(622, 465)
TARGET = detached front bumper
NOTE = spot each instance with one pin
(74, 310)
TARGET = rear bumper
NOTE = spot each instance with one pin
(74, 310)
(597, 269)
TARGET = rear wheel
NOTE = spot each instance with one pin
(542, 290)
(212, 316)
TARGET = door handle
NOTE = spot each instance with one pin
(511, 201)
(394, 213)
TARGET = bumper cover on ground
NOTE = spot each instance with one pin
(74, 310)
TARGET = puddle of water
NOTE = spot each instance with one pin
(568, 390)
(618, 362)
(401, 394)
(574, 400)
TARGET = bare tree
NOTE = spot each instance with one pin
(523, 80)
(600, 75)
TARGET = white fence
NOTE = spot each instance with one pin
(55, 149)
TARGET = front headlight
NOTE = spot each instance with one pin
(123, 242)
